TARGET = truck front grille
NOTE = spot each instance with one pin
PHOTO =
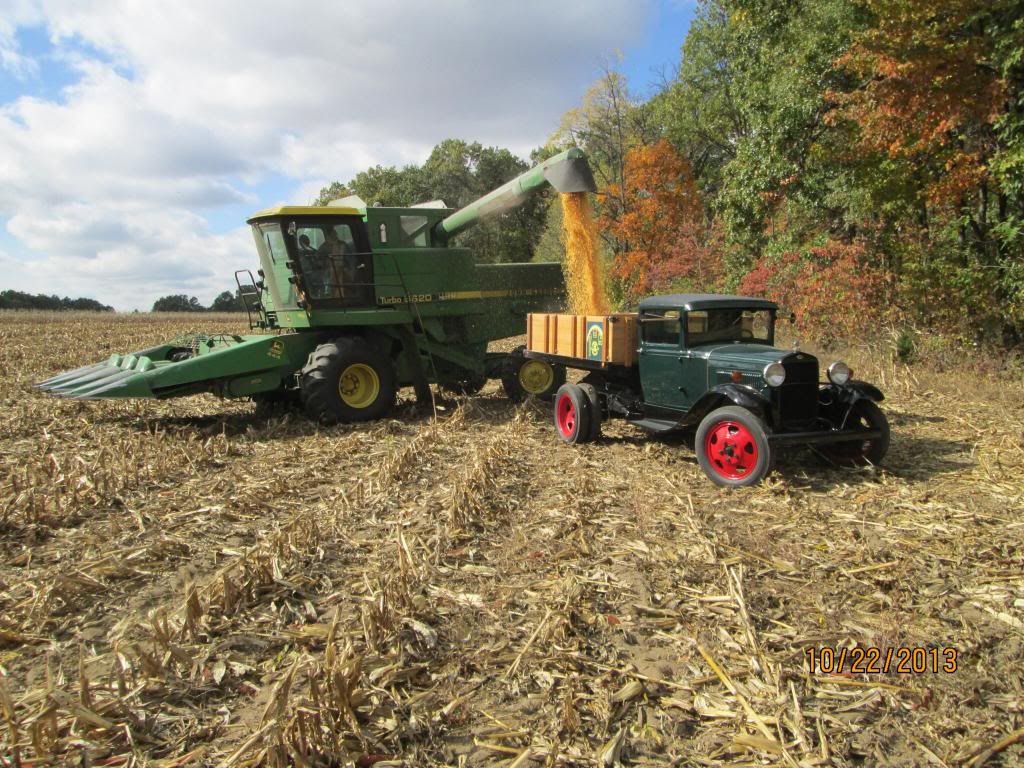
(798, 396)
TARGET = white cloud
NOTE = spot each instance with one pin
(177, 108)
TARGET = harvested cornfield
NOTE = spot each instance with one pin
(192, 583)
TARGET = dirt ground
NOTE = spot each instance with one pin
(191, 583)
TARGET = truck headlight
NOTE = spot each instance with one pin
(839, 373)
(774, 374)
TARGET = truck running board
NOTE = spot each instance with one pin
(656, 425)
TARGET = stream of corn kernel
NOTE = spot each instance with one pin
(583, 275)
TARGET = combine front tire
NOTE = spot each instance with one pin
(522, 377)
(732, 447)
(347, 380)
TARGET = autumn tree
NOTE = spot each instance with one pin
(661, 225)
(940, 94)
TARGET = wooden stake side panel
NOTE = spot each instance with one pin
(603, 339)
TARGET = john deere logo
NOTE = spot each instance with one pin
(276, 349)
(595, 341)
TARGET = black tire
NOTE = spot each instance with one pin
(595, 410)
(277, 402)
(519, 387)
(469, 384)
(732, 447)
(572, 414)
(347, 380)
(865, 414)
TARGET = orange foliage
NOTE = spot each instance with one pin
(661, 225)
(928, 88)
(833, 291)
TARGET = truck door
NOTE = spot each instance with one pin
(662, 360)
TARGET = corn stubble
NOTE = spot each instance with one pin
(184, 583)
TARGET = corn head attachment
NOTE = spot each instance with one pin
(227, 365)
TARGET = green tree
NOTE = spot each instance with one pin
(457, 172)
(228, 301)
(178, 303)
(11, 299)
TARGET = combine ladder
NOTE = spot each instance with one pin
(422, 387)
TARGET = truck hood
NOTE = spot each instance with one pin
(746, 355)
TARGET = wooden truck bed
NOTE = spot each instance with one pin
(584, 341)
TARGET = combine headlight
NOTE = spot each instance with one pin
(774, 374)
(839, 373)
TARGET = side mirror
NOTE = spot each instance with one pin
(291, 228)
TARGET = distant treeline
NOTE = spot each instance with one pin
(19, 300)
(225, 302)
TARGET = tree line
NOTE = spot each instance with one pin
(860, 161)
(10, 299)
(227, 301)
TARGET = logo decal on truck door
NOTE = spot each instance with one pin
(595, 341)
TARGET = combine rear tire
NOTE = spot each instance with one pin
(469, 384)
(347, 380)
(522, 377)
(276, 402)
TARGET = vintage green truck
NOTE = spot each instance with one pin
(707, 364)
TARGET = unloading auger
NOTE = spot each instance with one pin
(353, 302)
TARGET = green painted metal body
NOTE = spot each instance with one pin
(388, 275)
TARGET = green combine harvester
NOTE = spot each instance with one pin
(352, 303)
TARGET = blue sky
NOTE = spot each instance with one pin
(136, 138)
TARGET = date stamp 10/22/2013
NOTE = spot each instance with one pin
(901, 660)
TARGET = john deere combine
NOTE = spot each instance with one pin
(353, 302)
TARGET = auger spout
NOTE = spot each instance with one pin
(567, 172)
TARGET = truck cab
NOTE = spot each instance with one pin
(693, 347)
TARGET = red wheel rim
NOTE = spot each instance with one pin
(731, 450)
(565, 415)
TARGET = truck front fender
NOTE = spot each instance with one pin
(851, 392)
(725, 394)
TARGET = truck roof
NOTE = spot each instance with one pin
(692, 301)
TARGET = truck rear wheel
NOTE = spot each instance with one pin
(522, 377)
(595, 410)
(732, 447)
(573, 414)
(347, 380)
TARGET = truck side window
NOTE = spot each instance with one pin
(661, 327)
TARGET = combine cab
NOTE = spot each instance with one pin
(352, 302)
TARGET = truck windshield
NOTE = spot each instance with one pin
(716, 326)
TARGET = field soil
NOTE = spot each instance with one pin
(192, 582)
